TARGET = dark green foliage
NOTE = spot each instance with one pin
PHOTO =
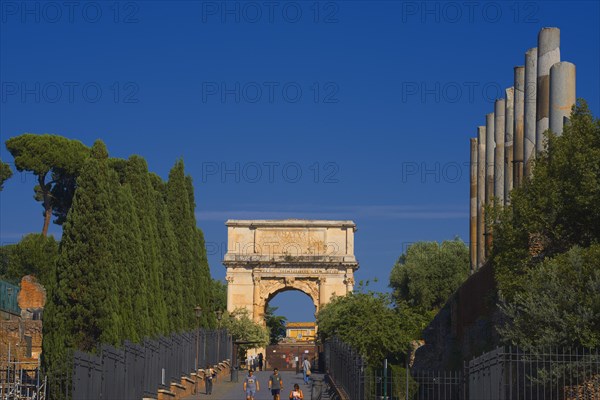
(275, 324)
(128, 266)
(35, 255)
(82, 308)
(179, 208)
(172, 283)
(560, 305)
(191, 251)
(151, 274)
(5, 173)
(556, 210)
(128, 260)
(54, 156)
(219, 295)
(428, 273)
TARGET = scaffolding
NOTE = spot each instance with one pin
(20, 380)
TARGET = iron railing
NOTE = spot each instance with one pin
(502, 374)
(345, 367)
(509, 373)
(139, 370)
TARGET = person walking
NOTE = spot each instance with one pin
(275, 384)
(306, 370)
(251, 385)
(208, 379)
(260, 361)
(296, 394)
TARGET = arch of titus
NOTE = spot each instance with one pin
(267, 257)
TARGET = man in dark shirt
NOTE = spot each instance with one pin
(275, 384)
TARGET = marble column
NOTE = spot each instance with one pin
(473, 207)
(562, 94)
(509, 117)
(529, 124)
(499, 125)
(480, 195)
(519, 113)
(489, 172)
(548, 55)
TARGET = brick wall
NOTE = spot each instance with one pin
(23, 335)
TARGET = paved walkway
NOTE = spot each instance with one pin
(226, 390)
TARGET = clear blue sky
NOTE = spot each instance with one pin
(372, 103)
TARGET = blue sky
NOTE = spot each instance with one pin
(332, 110)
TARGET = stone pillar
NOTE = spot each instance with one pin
(349, 281)
(562, 94)
(473, 207)
(322, 294)
(480, 196)
(548, 55)
(256, 312)
(489, 172)
(519, 113)
(230, 303)
(509, 117)
(489, 157)
(529, 124)
(499, 125)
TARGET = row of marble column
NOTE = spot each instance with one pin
(502, 154)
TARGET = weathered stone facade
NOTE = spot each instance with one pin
(267, 257)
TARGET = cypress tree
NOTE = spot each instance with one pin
(172, 282)
(82, 310)
(132, 287)
(201, 272)
(179, 211)
(138, 178)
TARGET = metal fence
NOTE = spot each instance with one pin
(502, 374)
(346, 368)
(139, 370)
(551, 373)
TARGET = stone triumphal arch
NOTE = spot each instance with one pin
(266, 257)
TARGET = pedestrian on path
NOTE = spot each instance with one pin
(208, 379)
(296, 394)
(306, 370)
(251, 385)
(275, 384)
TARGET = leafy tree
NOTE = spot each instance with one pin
(560, 305)
(368, 323)
(554, 210)
(5, 173)
(275, 324)
(54, 157)
(428, 273)
(243, 329)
